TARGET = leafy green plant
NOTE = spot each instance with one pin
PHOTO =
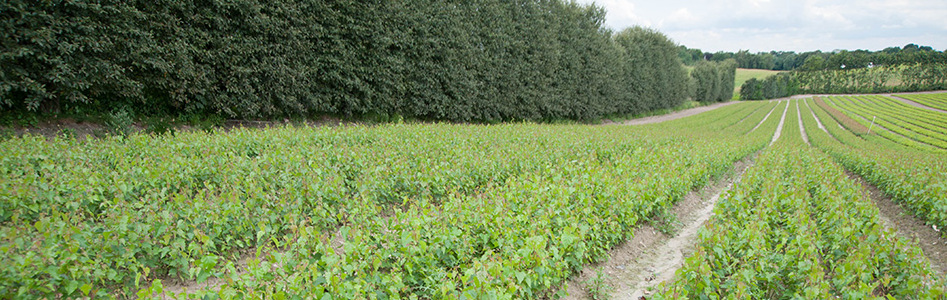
(794, 220)
(120, 122)
(6, 133)
(68, 133)
(665, 221)
(160, 125)
(597, 288)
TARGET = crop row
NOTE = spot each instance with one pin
(538, 228)
(916, 119)
(917, 179)
(842, 119)
(394, 211)
(921, 118)
(894, 128)
(938, 100)
(797, 227)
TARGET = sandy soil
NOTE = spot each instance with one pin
(802, 129)
(779, 128)
(676, 115)
(174, 287)
(907, 226)
(652, 257)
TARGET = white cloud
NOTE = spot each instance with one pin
(681, 16)
(764, 25)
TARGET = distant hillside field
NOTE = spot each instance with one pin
(745, 74)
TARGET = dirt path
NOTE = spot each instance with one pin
(802, 129)
(907, 226)
(918, 105)
(676, 115)
(766, 117)
(652, 257)
(779, 128)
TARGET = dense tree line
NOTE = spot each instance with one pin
(818, 60)
(488, 60)
(880, 79)
(714, 81)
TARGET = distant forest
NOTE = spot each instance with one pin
(818, 60)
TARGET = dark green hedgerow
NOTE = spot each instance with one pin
(446, 60)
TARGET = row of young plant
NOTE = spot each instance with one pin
(860, 126)
(914, 118)
(937, 100)
(891, 117)
(401, 210)
(915, 178)
(797, 227)
(537, 229)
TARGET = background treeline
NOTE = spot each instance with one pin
(881, 79)
(818, 60)
(491, 60)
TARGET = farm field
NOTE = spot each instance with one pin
(936, 100)
(470, 211)
(794, 220)
(899, 122)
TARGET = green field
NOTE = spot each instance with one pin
(446, 211)
(936, 100)
(896, 121)
(745, 74)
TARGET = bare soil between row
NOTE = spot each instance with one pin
(652, 257)
(907, 226)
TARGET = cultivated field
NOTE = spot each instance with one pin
(935, 100)
(474, 211)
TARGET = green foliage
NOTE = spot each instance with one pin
(159, 125)
(817, 60)
(909, 172)
(935, 100)
(714, 81)
(433, 211)
(752, 89)
(881, 79)
(728, 73)
(796, 227)
(6, 133)
(460, 61)
(652, 76)
(120, 122)
(596, 287)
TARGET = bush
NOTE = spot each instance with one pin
(120, 122)
(714, 80)
(449, 60)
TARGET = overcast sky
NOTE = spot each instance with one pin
(804, 25)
